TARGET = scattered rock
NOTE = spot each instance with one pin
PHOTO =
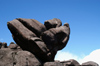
(90, 63)
(53, 64)
(4, 45)
(13, 45)
(70, 62)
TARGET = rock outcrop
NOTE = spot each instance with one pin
(36, 44)
(13, 55)
(41, 40)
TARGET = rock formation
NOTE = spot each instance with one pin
(41, 40)
(37, 44)
(12, 56)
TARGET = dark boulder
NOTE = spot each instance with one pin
(53, 23)
(70, 62)
(4, 45)
(32, 36)
(53, 64)
(33, 25)
(0, 45)
(90, 63)
(26, 39)
(56, 38)
(13, 45)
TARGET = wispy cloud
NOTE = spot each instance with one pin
(1, 39)
(93, 56)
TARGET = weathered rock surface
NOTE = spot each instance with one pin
(53, 23)
(53, 64)
(4, 45)
(17, 58)
(37, 38)
(37, 44)
(26, 39)
(13, 46)
(70, 62)
(90, 63)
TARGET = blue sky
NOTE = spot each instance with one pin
(82, 15)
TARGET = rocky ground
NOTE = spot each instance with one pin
(13, 55)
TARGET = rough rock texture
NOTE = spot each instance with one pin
(12, 56)
(0, 44)
(70, 62)
(37, 38)
(4, 45)
(90, 63)
(14, 46)
(53, 64)
(37, 44)
(26, 39)
(8, 57)
(53, 23)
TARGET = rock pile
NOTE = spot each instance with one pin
(13, 55)
(37, 44)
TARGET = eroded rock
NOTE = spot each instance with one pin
(53, 64)
(4, 45)
(53, 23)
(32, 36)
(19, 58)
(13, 45)
(90, 63)
(70, 62)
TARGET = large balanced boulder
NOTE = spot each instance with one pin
(27, 39)
(41, 40)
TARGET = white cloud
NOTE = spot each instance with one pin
(66, 56)
(93, 56)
